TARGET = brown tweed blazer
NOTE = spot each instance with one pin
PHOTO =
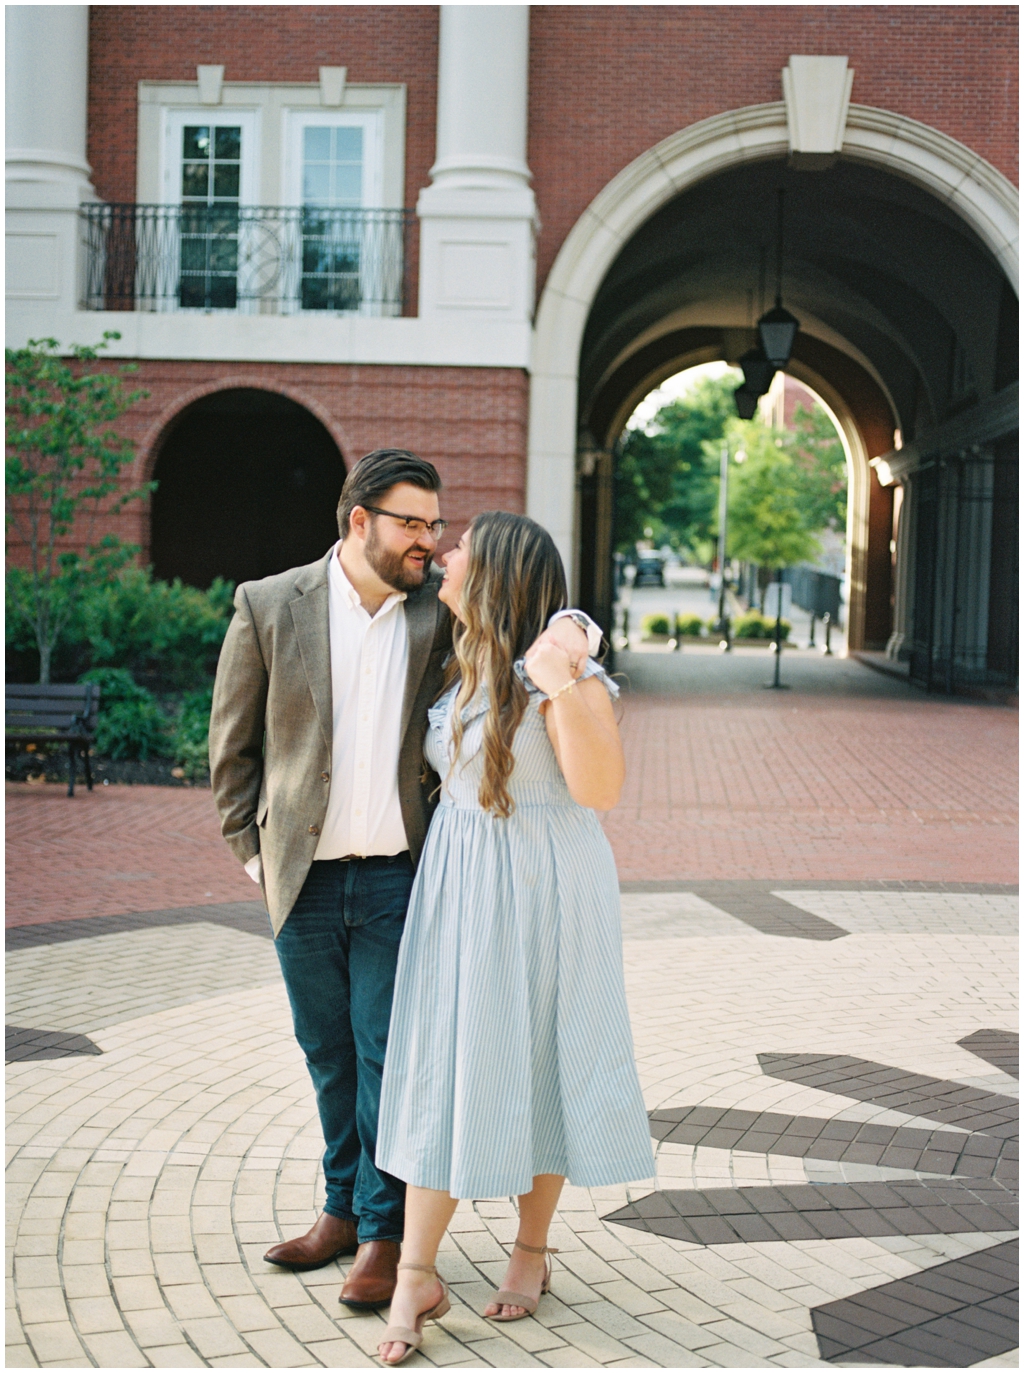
(271, 724)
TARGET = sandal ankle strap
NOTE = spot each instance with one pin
(533, 1248)
(420, 1267)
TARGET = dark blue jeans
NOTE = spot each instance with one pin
(338, 950)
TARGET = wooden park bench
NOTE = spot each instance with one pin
(48, 714)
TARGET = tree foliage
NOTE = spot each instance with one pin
(815, 446)
(665, 479)
(770, 521)
(63, 469)
(167, 632)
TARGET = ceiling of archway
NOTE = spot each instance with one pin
(873, 267)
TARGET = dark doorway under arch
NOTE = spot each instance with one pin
(248, 485)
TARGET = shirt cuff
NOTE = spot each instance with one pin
(592, 630)
(254, 867)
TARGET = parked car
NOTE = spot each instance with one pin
(649, 572)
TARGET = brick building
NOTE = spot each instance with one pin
(485, 232)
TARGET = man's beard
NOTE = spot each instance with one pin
(390, 566)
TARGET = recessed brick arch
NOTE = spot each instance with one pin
(151, 441)
(248, 479)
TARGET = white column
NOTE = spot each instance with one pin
(477, 218)
(47, 73)
(47, 176)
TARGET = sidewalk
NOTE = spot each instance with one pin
(847, 774)
(820, 958)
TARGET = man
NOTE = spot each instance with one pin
(316, 763)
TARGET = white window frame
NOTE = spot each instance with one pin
(271, 102)
(271, 173)
(175, 122)
(372, 124)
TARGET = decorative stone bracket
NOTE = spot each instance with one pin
(332, 85)
(817, 95)
(211, 84)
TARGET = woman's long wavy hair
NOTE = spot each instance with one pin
(514, 583)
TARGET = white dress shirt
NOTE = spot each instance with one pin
(369, 658)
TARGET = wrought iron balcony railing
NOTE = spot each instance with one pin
(248, 259)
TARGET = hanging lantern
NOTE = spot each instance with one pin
(777, 331)
(746, 402)
(757, 371)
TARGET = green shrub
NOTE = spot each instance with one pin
(131, 621)
(654, 624)
(754, 625)
(145, 625)
(749, 626)
(130, 722)
(190, 749)
(689, 625)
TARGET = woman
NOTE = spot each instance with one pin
(510, 1060)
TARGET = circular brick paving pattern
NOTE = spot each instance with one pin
(147, 1181)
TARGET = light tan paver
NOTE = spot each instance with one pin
(147, 1181)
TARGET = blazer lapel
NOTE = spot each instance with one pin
(312, 622)
(420, 625)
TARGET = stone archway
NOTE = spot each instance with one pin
(960, 180)
(248, 485)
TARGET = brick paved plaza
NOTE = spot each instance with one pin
(820, 943)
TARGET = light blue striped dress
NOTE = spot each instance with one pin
(510, 1051)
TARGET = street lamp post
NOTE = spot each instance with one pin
(776, 684)
(723, 514)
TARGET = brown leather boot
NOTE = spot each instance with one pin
(328, 1239)
(372, 1278)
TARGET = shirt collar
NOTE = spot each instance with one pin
(349, 595)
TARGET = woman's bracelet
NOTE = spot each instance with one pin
(562, 690)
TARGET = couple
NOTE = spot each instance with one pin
(347, 704)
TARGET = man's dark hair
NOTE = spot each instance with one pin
(377, 473)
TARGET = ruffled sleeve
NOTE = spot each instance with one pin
(591, 669)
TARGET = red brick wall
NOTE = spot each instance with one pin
(608, 82)
(469, 422)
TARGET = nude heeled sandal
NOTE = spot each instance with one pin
(400, 1334)
(505, 1298)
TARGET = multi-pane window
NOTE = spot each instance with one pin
(332, 188)
(211, 168)
(332, 165)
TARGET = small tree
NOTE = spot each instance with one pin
(663, 477)
(63, 462)
(770, 520)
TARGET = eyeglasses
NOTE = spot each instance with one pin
(414, 526)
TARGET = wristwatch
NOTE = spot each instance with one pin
(589, 627)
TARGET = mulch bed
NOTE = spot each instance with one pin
(154, 772)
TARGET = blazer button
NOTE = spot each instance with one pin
(314, 829)
(325, 777)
